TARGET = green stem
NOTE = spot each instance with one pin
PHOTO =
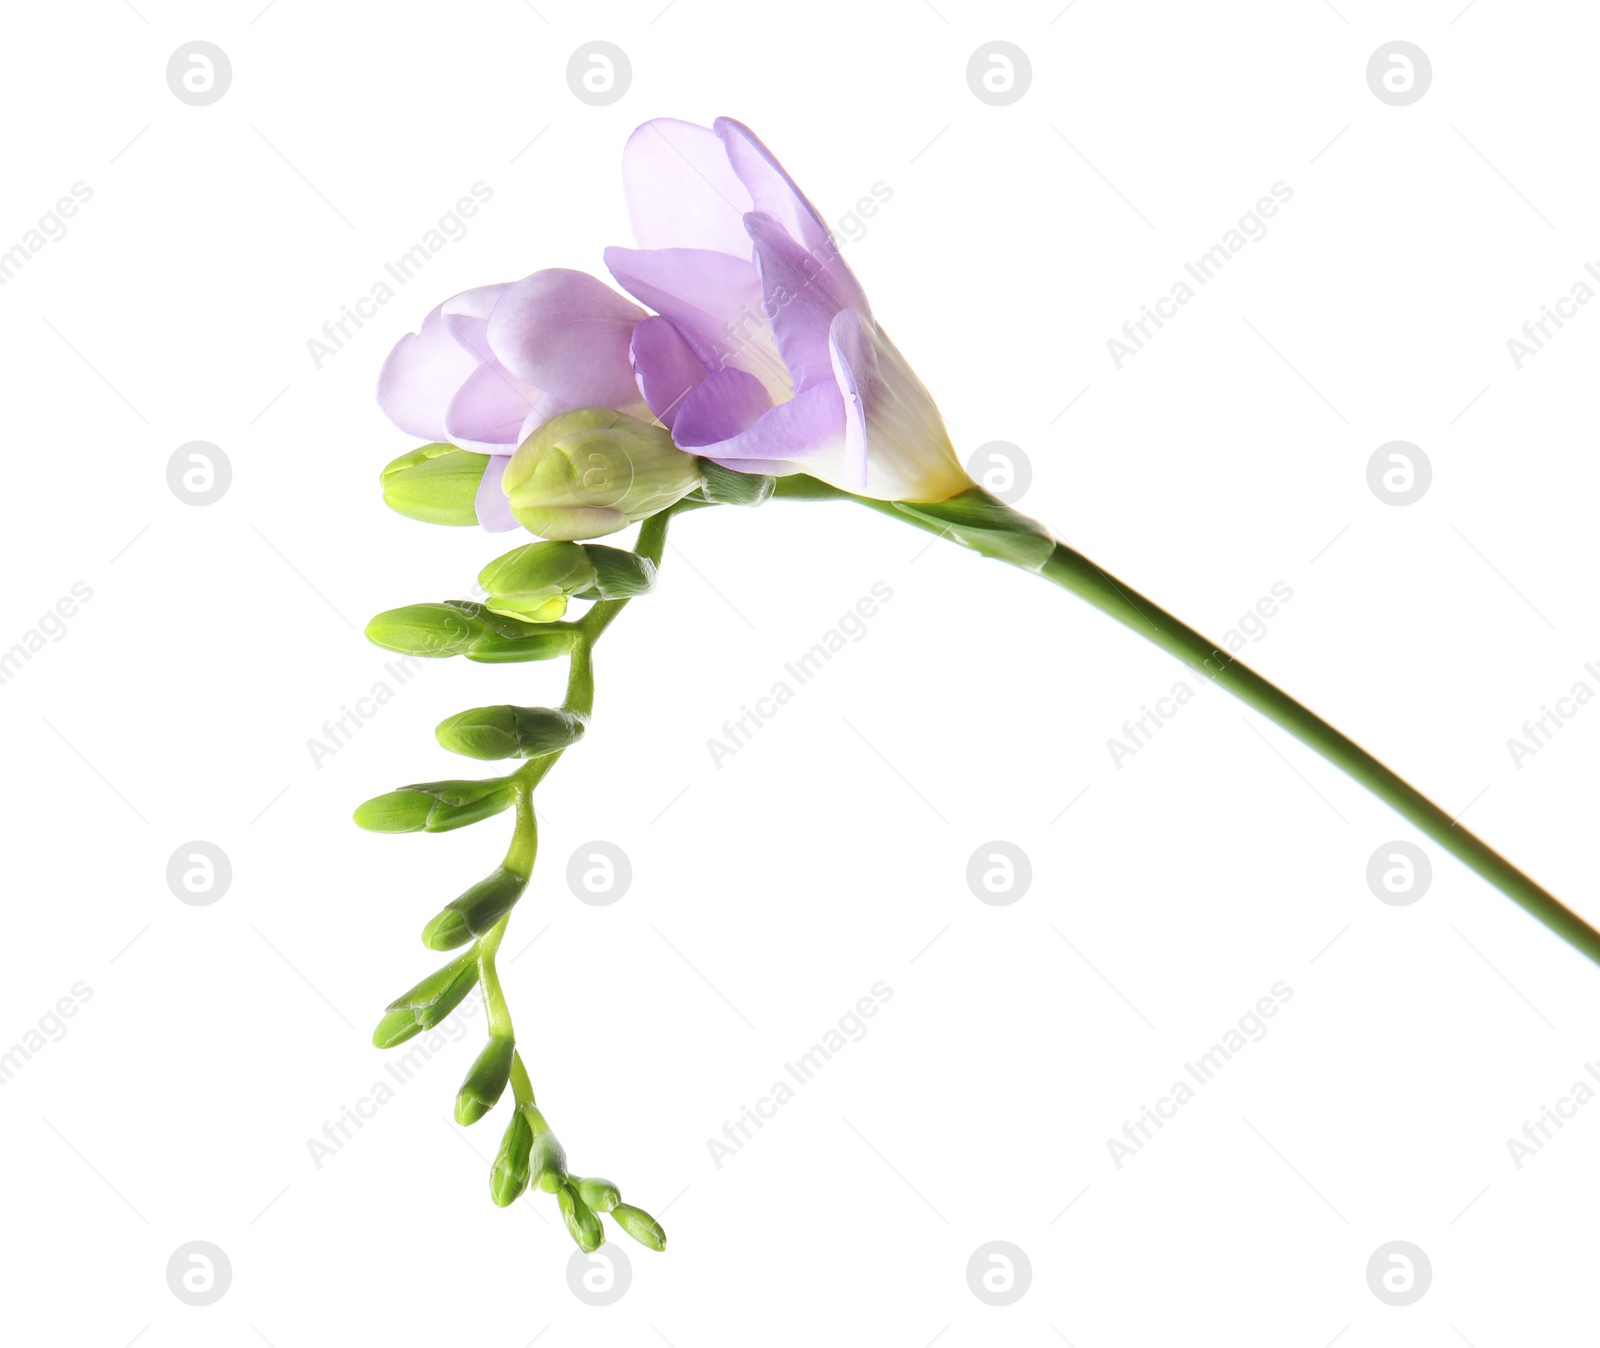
(1074, 572)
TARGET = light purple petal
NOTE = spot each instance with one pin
(712, 299)
(801, 292)
(771, 190)
(664, 367)
(494, 509)
(488, 410)
(681, 190)
(423, 373)
(811, 422)
(726, 403)
(567, 333)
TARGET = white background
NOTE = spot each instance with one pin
(772, 892)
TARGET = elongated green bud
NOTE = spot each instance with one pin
(424, 1006)
(437, 484)
(600, 1194)
(459, 627)
(547, 1160)
(583, 1225)
(485, 1081)
(510, 732)
(434, 807)
(724, 486)
(510, 1174)
(640, 1225)
(593, 471)
(475, 911)
(427, 630)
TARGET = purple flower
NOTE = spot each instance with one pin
(493, 364)
(765, 356)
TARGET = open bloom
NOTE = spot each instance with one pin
(493, 364)
(765, 356)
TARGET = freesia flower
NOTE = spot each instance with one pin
(493, 364)
(765, 356)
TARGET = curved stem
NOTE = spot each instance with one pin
(1074, 572)
(984, 520)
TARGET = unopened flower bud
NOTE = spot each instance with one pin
(510, 1174)
(475, 911)
(640, 1225)
(547, 1159)
(426, 630)
(424, 1006)
(593, 471)
(485, 1080)
(583, 1225)
(437, 484)
(434, 807)
(534, 582)
(600, 1194)
(510, 732)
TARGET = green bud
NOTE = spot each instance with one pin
(434, 807)
(437, 484)
(640, 1225)
(581, 1223)
(510, 1174)
(458, 627)
(485, 1081)
(600, 1194)
(475, 911)
(724, 486)
(427, 630)
(547, 1160)
(424, 1006)
(619, 574)
(593, 471)
(534, 582)
(510, 732)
